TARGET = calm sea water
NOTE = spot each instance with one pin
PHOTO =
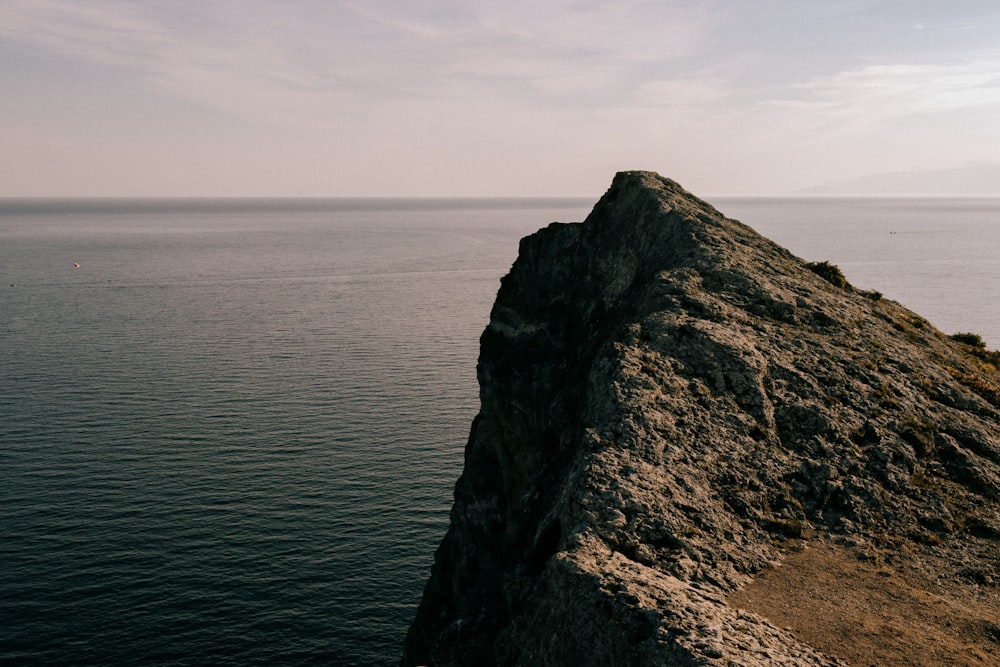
(230, 434)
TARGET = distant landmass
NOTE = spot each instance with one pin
(965, 181)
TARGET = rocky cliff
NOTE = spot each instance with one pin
(668, 400)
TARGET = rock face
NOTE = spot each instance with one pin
(666, 397)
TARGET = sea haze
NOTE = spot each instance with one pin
(229, 429)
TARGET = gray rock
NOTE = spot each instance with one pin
(666, 396)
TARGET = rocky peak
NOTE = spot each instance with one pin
(667, 398)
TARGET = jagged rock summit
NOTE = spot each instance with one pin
(668, 401)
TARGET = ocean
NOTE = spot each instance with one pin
(230, 429)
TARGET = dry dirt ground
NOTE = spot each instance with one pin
(843, 601)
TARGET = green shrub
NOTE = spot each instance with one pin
(978, 350)
(973, 339)
(874, 295)
(831, 273)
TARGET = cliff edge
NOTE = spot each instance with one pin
(672, 405)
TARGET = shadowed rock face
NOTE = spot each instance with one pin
(665, 396)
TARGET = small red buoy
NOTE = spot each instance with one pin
(75, 265)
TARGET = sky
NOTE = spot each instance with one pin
(490, 98)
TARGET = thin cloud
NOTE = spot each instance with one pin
(224, 60)
(666, 31)
(890, 91)
(109, 33)
(352, 53)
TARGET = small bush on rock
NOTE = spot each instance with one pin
(972, 339)
(831, 273)
(979, 351)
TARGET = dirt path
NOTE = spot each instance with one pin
(870, 615)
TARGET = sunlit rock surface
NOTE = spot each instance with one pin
(667, 397)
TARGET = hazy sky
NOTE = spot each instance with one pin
(475, 97)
